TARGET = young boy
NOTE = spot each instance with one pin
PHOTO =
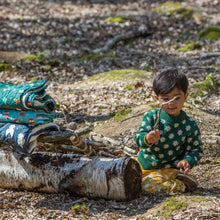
(174, 144)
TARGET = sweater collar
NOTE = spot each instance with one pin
(172, 119)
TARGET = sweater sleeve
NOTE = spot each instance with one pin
(193, 147)
(145, 127)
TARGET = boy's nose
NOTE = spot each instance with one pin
(172, 103)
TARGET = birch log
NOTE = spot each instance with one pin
(92, 177)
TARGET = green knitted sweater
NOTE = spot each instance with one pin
(180, 139)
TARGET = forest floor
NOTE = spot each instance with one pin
(63, 37)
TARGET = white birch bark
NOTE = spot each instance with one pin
(93, 177)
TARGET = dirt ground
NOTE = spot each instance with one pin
(68, 33)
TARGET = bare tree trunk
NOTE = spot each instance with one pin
(93, 177)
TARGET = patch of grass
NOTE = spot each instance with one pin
(43, 60)
(78, 209)
(210, 33)
(102, 107)
(116, 19)
(115, 75)
(197, 16)
(211, 83)
(172, 204)
(122, 114)
(5, 67)
(197, 199)
(130, 87)
(40, 58)
(190, 46)
(30, 57)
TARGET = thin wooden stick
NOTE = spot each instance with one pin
(158, 117)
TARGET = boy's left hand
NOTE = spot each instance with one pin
(185, 165)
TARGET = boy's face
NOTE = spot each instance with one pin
(173, 108)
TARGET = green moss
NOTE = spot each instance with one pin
(48, 68)
(32, 79)
(115, 75)
(116, 19)
(197, 16)
(130, 87)
(102, 107)
(190, 46)
(177, 8)
(168, 7)
(171, 205)
(197, 198)
(78, 209)
(203, 87)
(30, 57)
(122, 114)
(68, 7)
(186, 12)
(95, 57)
(5, 67)
(40, 58)
(210, 33)
(174, 8)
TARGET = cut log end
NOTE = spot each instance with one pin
(132, 179)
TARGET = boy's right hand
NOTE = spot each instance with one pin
(153, 136)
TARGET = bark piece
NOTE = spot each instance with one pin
(92, 177)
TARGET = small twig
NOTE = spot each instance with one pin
(134, 116)
(158, 117)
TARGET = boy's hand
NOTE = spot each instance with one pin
(153, 136)
(185, 165)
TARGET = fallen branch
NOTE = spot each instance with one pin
(95, 177)
(58, 136)
(121, 37)
(210, 54)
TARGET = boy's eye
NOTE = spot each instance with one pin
(167, 99)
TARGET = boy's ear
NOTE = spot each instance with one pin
(186, 95)
(156, 97)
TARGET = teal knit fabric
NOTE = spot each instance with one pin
(180, 139)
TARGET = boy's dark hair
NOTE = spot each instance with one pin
(167, 80)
